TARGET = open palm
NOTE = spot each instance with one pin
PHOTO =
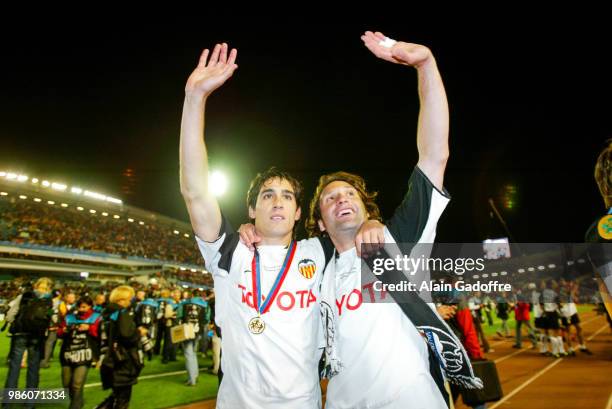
(211, 73)
(401, 53)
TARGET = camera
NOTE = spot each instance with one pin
(147, 345)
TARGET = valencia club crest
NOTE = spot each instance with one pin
(307, 268)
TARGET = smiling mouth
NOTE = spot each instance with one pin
(277, 218)
(345, 212)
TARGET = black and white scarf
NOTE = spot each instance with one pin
(446, 348)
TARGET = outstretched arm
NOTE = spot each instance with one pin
(209, 75)
(432, 132)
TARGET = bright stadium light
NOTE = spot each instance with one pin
(176, 232)
(182, 268)
(130, 220)
(104, 214)
(113, 200)
(76, 190)
(92, 211)
(80, 209)
(11, 176)
(46, 183)
(64, 205)
(3, 194)
(23, 197)
(94, 195)
(51, 202)
(2, 174)
(217, 183)
(37, 200)
(186, 235)
(116, 216)
(34, 180)
(141, 223)
(193, 270)
(22, 178)
(58, 186)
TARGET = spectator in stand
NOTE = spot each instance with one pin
(27, 222)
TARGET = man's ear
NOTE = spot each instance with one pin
(251, 213)
(298, 213)
(321, 225)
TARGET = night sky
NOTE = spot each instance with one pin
(530, 107)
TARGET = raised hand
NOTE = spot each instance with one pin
(414, 55)
(211, 72)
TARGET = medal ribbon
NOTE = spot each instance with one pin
(278, 283)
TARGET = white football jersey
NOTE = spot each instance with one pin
(384, 358)
(277, 368)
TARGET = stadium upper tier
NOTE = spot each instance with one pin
(39, 214)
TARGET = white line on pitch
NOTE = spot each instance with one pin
(527, 382)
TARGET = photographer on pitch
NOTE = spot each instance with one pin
(123, 354)
(146, 317)
(194, 311)
(29, 317)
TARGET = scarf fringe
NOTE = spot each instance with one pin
(466, 382)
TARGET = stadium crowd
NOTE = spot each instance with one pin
(52, 225)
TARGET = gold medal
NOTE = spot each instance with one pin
(257, 325)
(604, 227)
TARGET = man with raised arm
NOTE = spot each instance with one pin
(378, 354)
(266, 297)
